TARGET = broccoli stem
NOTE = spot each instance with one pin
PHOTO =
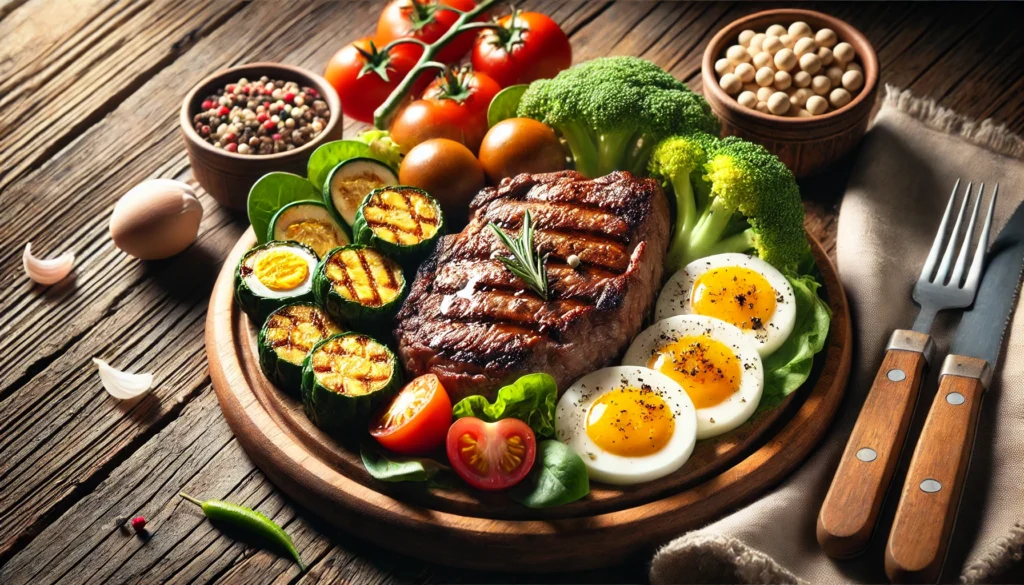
(741, 242)
(686, 218)
(611, 150)
(710, 228)
(583, 148)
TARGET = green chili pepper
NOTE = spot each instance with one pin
(249, 520)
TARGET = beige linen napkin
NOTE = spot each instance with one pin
(893, 202)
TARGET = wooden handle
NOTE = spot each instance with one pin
(927, 509)
(851, 507)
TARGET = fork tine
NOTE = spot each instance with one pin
(974, 275)
(947, 256)
(961, 259)
(933, 254)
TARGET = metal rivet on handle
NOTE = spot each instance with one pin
(930, 486)
(866, 454)
(896, 375)
(955, 398)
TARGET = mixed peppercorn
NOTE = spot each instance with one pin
(261, 117)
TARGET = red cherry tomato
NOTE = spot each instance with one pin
(460, 99)
(364, 76)
(423, 20)
(491, 456)
(530, 46)
(416, 420)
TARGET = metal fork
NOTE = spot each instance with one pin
(850, 510)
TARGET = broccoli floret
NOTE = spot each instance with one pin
(731, 196)
(612, 111)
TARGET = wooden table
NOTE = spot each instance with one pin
(89, 97)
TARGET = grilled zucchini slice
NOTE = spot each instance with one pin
(287, 337)
(345, 378)
(272, 275)
(310, 223)
(351, 181)
(360, 286)
(403, 222)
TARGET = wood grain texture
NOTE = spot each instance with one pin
(482, 531)
(924, 519)
(60, 475)
(850, 510)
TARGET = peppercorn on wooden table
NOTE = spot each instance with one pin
(90, 95)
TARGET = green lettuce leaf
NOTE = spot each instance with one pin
(531, 399)
(558, 477)
(790, 365)
(394, 468)
(272, 192)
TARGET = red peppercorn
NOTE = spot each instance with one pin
(276, 137)
(138, 523)
(266, 105)
(207, 104)
(312, 93)
(261, 118)
(229, 137)
(205, 130)
(232, 147)
(270, 125)
(230, 88)
(289, 97)
(223, 111)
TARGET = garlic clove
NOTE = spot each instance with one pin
(50, 271)
(123, 385)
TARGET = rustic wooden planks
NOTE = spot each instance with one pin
(67, 453)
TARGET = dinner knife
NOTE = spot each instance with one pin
(931, 494)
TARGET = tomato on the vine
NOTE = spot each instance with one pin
(454, 106)
(491, 456)
(364, 75)
(527, 47)
(416, 420)
(424, 20)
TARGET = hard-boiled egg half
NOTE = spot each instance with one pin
(738, 289)
(716, 364)
(629, 424)
(279, 270)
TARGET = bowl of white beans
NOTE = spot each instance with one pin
(800, 82)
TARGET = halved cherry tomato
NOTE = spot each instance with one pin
(416, 420)
(529, 46)
(423, 20)
(491, 456)
(364, 76)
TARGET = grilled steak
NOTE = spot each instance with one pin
(477, 326)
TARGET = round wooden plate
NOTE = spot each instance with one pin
(462, 527)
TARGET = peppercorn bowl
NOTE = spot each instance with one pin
(228, 176)
(807, 145)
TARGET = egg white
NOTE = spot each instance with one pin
(738, 407)
(262, 290)
(675, 297)
(574, 408)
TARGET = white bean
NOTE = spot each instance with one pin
(762, 107)
(844, 53)
(745, 71)
(763, 93)
(764, 59)
(782, 80)
(723, 66)
(854, 66)
(787, 41)
(800, 29)
(778, 103)
(810, 63)
(756, 40)
(804, 45)
(747, 99)
(826, 56)
(805, 93)
(745, 37)
(802, 79)
(797, 100)
(772, 44)
(820, 84)
(764, 76)
(802, 113)
(834, 74)
(737, 54)
(826, 37)
(776, 30)
(751, 87)
(730, 83)
(839, 97)
(816, 105)
(785, 59)
(853, 80)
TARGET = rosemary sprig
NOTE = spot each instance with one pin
(525, 263)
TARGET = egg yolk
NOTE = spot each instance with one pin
(735, 295)
(281, 269)
(706, 368)
(630, 422)
(315, 234)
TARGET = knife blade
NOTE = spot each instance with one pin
(926, 513)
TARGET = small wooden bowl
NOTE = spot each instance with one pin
(228, 176)
(807, 145)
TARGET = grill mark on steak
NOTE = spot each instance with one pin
(477, 326)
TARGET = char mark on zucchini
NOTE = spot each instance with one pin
(477, 326)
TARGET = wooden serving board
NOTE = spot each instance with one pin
(463, 527)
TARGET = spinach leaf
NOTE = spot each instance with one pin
(392, 467)
(328, 155)
(790, 365)
(531, 399)
(504, 104)
(558, 477)
(272, 192)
